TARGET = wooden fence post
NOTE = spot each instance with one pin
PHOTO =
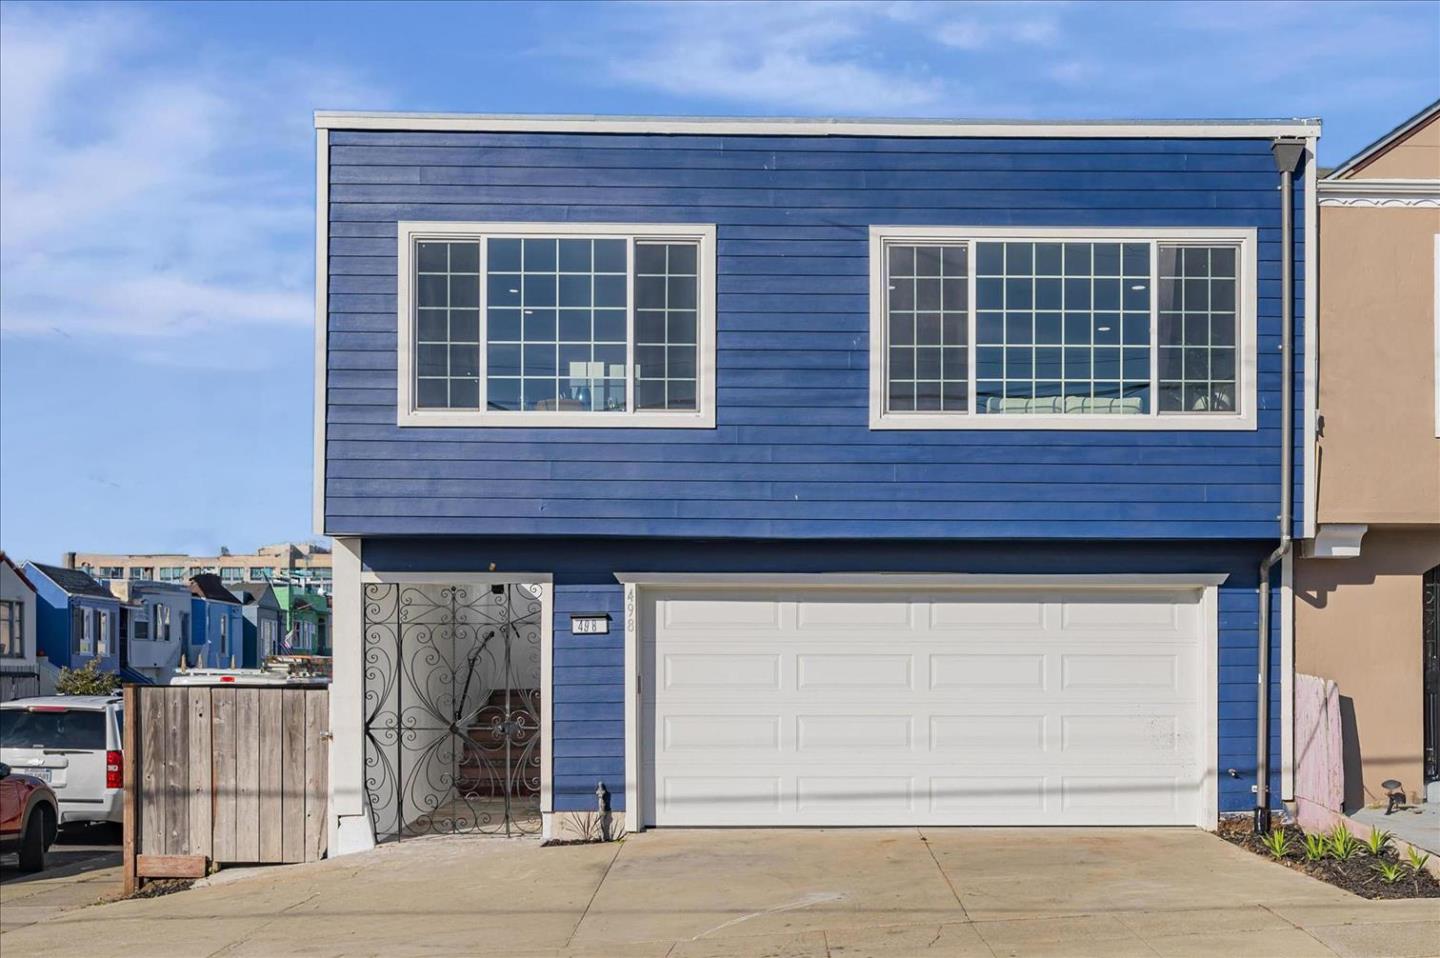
(131, 768)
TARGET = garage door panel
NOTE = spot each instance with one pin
(691, 799)
(847, 795)
(968, 795)
(1114, 612)
(863, 613)
(721, 670)
(1146, 799)
(711, 733)
(707, 614)
(977, 733)
(1115, 671)
(994, 670)
(856, 670)
(849, 732)
(936, 711)
(986, 612)
(1156, 737)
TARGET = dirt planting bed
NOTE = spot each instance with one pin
(1360, 872)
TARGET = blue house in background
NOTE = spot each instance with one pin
(819, 472)
(77, 619)
(217, 624)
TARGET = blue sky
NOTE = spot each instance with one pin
(156, 183)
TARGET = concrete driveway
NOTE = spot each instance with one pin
(983, 892)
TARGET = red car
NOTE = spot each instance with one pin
(29, 815)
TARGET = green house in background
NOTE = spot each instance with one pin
(307, 623)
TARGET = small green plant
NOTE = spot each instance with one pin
(1416, 859)
(1377, 842)
(88, 680)
(1343, 844)
(1315, 847)
(1277, 843)
(1390, 872)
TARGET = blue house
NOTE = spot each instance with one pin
(217, 624)
(812, 472)
(77, 619)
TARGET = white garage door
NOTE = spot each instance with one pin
(882, 707)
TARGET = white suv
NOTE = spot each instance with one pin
(71, 742)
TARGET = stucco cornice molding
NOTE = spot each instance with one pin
(1337, 540)
(1383, 202)
(1404, 194)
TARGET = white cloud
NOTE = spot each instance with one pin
(998, 27)
(151, 191)
(806, 56)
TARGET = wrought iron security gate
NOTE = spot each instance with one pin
(452, 708)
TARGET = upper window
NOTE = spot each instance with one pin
(556, 325)
(1109, 329)
(12, 630)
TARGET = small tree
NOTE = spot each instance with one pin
(88, 680)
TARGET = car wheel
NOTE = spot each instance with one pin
(32, 847)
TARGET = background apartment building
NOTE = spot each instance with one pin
(305, 564)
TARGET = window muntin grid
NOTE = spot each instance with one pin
(667, 289)
(1198, 325)
(1104, 367)
(589, 291)
(556, 316)
(1062, 328)
(927, 302)
(447, 325)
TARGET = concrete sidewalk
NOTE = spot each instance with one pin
(984, 892)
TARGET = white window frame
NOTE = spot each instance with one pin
(224, 633)
(102, 632)
(1244, 416)
(87, 631)
(702, 417)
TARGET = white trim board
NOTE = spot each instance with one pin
(802, 126)
(322, 322)
(1309, 473)
(958, 580)
(1243, 418)
(1207, 583)
(702, 417)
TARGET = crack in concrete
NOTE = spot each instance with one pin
(619, 847)
(259, 928)
(948, 883)
(1310, 934)
(804, 901)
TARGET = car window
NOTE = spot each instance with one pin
(68, 729)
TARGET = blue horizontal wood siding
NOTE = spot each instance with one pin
(588, 677)
(792, 453)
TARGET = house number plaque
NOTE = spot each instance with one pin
(590, 624)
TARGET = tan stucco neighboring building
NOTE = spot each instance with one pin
(1361, 583)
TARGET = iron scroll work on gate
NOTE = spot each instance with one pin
(452, 708)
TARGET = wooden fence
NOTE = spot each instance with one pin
(223, 774)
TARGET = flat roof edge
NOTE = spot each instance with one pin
(814, 126)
